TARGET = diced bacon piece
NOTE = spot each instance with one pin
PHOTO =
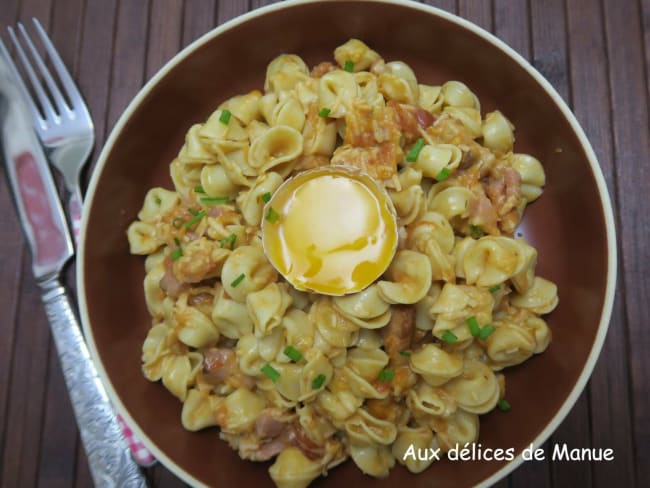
(269, 424)
(398, 334)
(378, 161)
(411, 119)
(503, 187)
(170, 284)
(301, 440)
(482, 214)
(218, 364)
(322, 68)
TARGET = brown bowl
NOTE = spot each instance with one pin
(571, 225)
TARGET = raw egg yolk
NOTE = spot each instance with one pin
(331, 230)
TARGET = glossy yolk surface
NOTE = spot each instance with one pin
(336, 233)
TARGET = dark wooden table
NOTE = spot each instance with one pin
(597, 55)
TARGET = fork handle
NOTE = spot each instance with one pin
(74, 212)
(108, 457)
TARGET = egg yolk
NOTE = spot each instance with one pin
(332, 231)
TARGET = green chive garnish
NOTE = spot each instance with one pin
(238, 280)
(266, 197)
(486, 331)
(158, 200)
(292, 353)
(177, 253)
(405, 353)
(199, 189)
(412, 155)
(195, 219)
(449, 337)
(272, 216)
(324, 112)
(230, 240)
(270, 372)
(474, 328)
(193, 211)
(214, 200)
(443, 174)
(348, 66)
(503, 405)
(318, 381)
(495, 288)
(177, 223)
(476, 231)
(224, 118)
(177, 242)
(386, 375)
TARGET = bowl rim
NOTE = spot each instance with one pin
(599, 178)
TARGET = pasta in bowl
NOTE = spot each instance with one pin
(406, 364)
(570, 227)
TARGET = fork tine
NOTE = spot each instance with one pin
(28, 98)
(64, 75)
(48, 109)
(61, 104)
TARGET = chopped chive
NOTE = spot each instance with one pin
(272, 216)
(158, 200)
(474, 328)
(224, 118)
(413, 154)
(449, 337)
(266, 197)
(386, 375)
(443, 174)
(177, 242)
(476, 231)
(292, 353)
(405, 353)
(193, 211)
(195, 219)
(348, 66)
(176, 253)
(504, 405)
(177, 223)
(230, 240)
(238, 280)
(495, 288)
(214, 200)
(324, 112)
(199, 189)
(486, 331)
(318, 381)
(270, 372)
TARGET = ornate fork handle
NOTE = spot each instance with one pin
(74, 212)
(108, 456)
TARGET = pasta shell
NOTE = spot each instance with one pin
(409, 278)
(250, 262)
(457, 94)
(275, 149)
(476, 390)
(356, 52)
(285, 72)
(373, 460)
(498, 132)
(540, 298)
(436, 365)
(419, 439)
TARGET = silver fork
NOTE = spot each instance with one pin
(64, 127)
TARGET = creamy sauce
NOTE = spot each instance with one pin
(336, 233)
